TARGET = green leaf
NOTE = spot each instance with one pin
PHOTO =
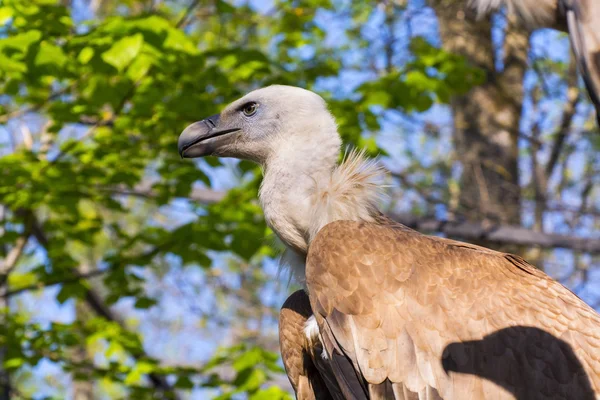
(272, 393)
(248, 359)
(179, 41)
(420, 81)
(70, 290)
(114, 348)
(21, 41)
(139, 67)
(50, 54)
(141, 368)
(123, 52)
(145, 302)
(224, 8)
(14, 363)
(85, 55)
(378, 98)
(229, 61)
(184, 382)
(250, 379)
(10, 65)
(18, 280)
(6, 13)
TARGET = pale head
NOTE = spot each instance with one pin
(264, 122)
(290, 132)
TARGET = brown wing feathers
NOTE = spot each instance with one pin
(583, 19)
(302, 373)
(350, 382)
(310, 375)
(442, 319)
(580, 17)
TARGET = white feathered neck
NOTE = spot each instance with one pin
(299, 199)
(352, 192)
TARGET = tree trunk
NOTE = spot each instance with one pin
(83, 386)
(83, 389)
(6, 266)
(486, 119)
(5, 384)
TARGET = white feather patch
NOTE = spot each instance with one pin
(352, 192)
(532, 12)
(311, 331)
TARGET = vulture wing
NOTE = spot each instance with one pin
(421, 317)
(310, 375)
(580, 17)
(583, 20)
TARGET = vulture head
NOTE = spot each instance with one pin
(271, 121)
(292, 135)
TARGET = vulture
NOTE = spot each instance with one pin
(387, 312)
(580, 18)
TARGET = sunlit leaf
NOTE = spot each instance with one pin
(123, 52)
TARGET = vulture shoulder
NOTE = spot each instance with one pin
(421, 317)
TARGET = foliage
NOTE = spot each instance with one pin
(252, 368)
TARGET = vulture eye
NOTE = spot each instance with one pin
(250, 109)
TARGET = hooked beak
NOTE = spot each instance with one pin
(192, 141)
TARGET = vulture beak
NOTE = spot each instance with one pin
(193, 141)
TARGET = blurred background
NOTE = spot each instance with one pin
(126, 272)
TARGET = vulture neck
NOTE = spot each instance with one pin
(304, 189)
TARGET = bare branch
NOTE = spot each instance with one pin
(42, 285)
(144, 190)
(503, 234)
(13, 255)
(573, 97)
(187, 13)
(4, 118)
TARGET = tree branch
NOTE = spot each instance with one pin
(4, 118)
(573, 97)
(144, 190)
(503, 234)
(187, 13)
(42, 285)
(15, 253)
(13, 256)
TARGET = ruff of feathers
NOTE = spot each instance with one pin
(353, 192)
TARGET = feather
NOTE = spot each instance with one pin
(310, 375)
(537, 13)
(353, 192)
(311, 331)
(464, 322)
(292, 266)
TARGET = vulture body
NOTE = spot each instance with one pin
(387, 312)
(580, 18)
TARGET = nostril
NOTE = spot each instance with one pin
(210, 122)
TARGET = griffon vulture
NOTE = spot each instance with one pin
(387, 312)
(581, 18)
